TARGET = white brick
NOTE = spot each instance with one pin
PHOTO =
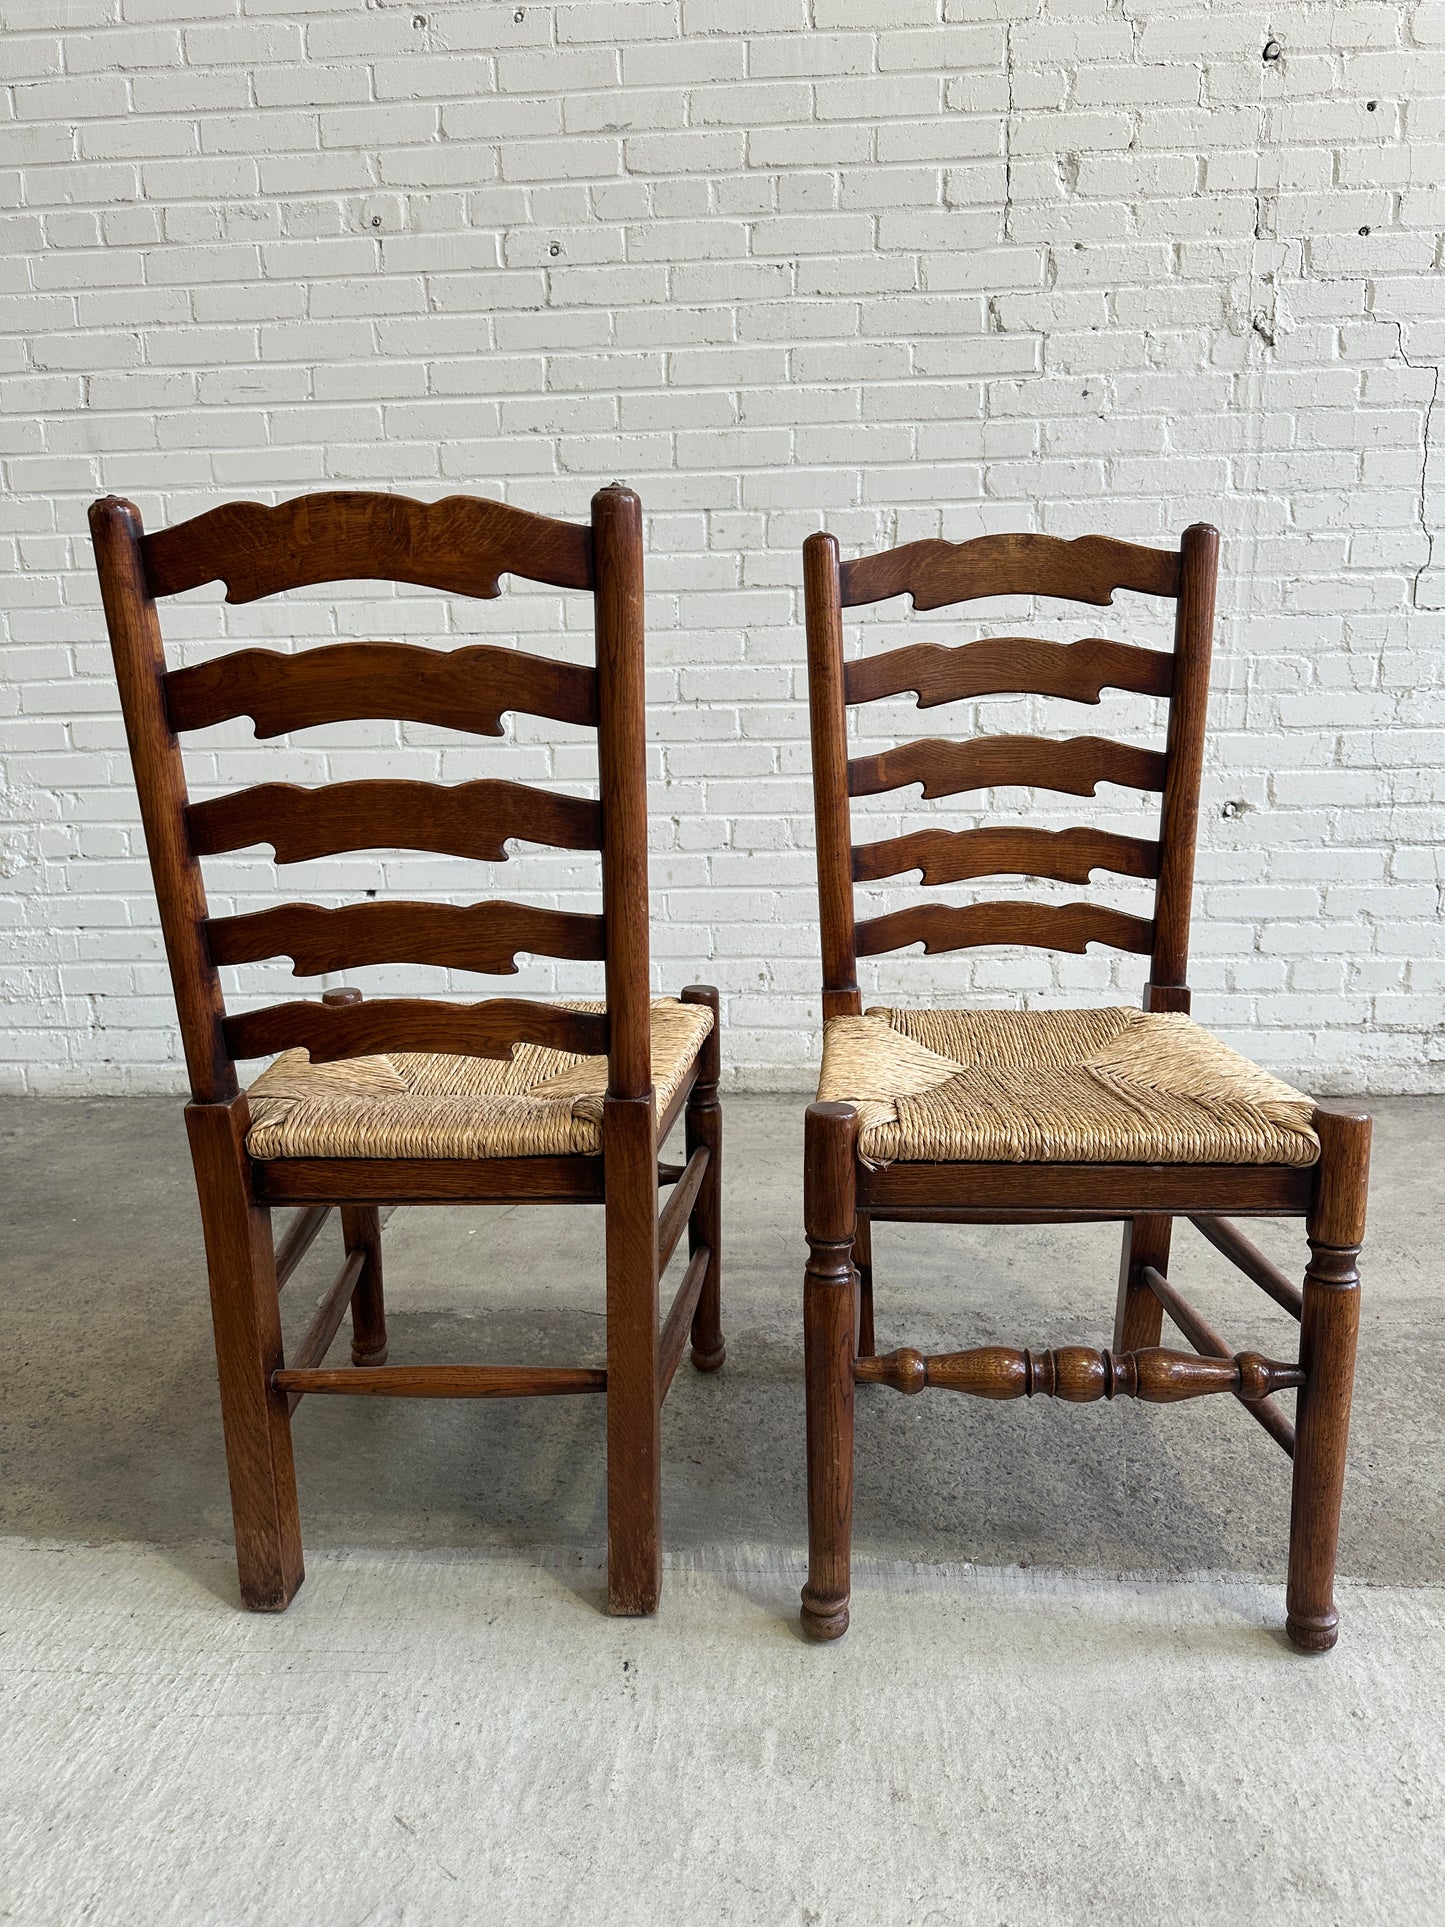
(938, 268)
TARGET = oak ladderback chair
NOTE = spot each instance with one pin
(413, 1100)
(978, 1116)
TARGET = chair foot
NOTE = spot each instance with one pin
(375, 1356)
(823, 1619)
(1315, 1635)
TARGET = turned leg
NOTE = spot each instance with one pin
(863, 1265)
(361, 1230)
(1327, 1352)
(634, 1435)
(702, 1125)
(1139, 1316)
(246, 1316)
(830, 1219)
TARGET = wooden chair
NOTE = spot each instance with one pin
(966, 1117)
(414, 1101)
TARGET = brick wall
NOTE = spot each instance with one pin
(902, 268)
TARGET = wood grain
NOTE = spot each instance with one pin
(1046, 926)
(443, 1381)
(936, 573)
(474, 820)
(488, 1029)
(1076, 766)
(622, 772)
(1168, 988)
(1080, 1192)
(460, 545)
(1079, 1374)
(341, 682)
(545, 1180)
(1248, 1257)
(160, 780)
(485, 937)
(1009, 665)
(830, 1220)
(829, 725)
(952, 856)
(1204, 1338)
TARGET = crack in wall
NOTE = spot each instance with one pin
(1426, 447)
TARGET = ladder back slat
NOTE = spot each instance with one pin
(945, 768)
(952, 856)
(343, 682)
(486, 937)
(1048, 926)
(1009, 665)
(936, 573)
(464, 819)
(427, 1025)
(461, 546)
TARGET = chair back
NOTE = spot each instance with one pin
(936, 574)
(462, 545)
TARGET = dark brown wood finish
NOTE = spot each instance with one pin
(1329, 1327)
(160, 778)
(953, 856)
(475, 820)
(1009, 665)
(485, 937)
(1184, 753)
(487, 1029)
(829, 719)
(830, 1165)
(937, 573)
(1081, 1375)
(460, 546)
(703, 1128)
(1206, 1340)
(950, 769)
(444, 1381)
(342, 682)
(844, 1198)
(1052, 926)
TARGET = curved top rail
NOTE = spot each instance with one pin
(936, 573)
(460, 545)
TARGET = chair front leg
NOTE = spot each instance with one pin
(1328, 1330)
(246, 1316)
(830, 1181)
(634, 1433)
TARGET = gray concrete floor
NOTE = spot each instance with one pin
(109, 1424)
(445, 1728)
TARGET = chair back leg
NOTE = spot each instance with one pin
(246, 1316)
(702, 1128)
(361, 1231)
(634, 1432)
(1139, 1316)
(830, 1183)
(1328, 1329)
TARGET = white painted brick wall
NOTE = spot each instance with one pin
(900, 267)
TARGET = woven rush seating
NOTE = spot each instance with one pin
(1073, 1086)
(538, 1103)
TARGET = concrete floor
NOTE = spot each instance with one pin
(454, 1556)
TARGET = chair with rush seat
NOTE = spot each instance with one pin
(1013, 1117)
(415, 1101)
